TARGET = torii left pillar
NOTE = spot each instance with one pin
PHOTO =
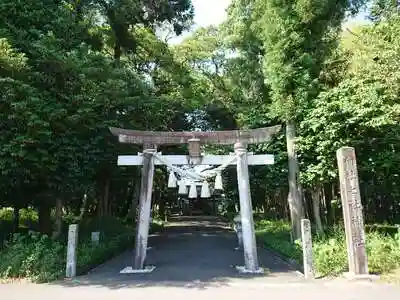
(143, 223)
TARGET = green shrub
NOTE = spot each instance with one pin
(108, 227)
(276, 236)
(156, 226)
(6, 214)
(38, 258)
(382, 228)
(90, 255)
(6, 228)
(27, 217)
(383, 252)
(32, 256)
(330, 253)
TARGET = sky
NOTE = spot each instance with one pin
(210, 12)
(213, 12)
(206, 13)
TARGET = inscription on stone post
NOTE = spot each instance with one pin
(352, 211)
(71, 251)
(308, 261)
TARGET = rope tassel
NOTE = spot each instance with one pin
(218, 182)
(172, 180)
(193, 191)
(182, 188)
(205, 190)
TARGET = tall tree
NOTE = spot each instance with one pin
(297, 37)
(62, 90)
(119, 16)
(383, 9)
(363, 111)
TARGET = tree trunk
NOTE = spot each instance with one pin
(117, 51)
(106, 196)
(130, 190)
(315, 195)
(44, 218)
(266, 205)
(83, 207)
(161, 205)
(100, 205)
(58, 219)
(282, 205)
(294, 195)
(328, 204)
(16, 219)
(308, 210)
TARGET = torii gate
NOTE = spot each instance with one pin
(239, 138)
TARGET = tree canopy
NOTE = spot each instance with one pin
(71, 69)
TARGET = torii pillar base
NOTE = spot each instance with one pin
(145, 270)
(244, 270)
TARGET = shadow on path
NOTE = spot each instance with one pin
(192, 252)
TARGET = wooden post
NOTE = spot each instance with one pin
(296, 206)
(143, 223)
(306, 239)
(352, 211)
(71, 251)
(246, 211)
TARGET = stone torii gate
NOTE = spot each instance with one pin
(149, 158)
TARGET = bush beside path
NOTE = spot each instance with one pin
(38, 258)
(330, 253)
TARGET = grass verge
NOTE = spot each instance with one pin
(330, 253)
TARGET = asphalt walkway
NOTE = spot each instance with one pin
(192, 251)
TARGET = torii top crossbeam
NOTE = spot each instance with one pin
(227, 137)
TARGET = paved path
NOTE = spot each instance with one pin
(195, 258)
(192, 251)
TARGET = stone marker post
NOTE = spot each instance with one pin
(146, 188)
(352, 211)
(246, 210)
(237, 225)
(308, 261)
(96, 237)
(71, 251)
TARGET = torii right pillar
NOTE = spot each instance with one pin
(246, 212)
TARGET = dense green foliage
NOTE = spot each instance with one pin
(71, 69)
(66, 76)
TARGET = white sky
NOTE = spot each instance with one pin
(210, 12)
(206, 12)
